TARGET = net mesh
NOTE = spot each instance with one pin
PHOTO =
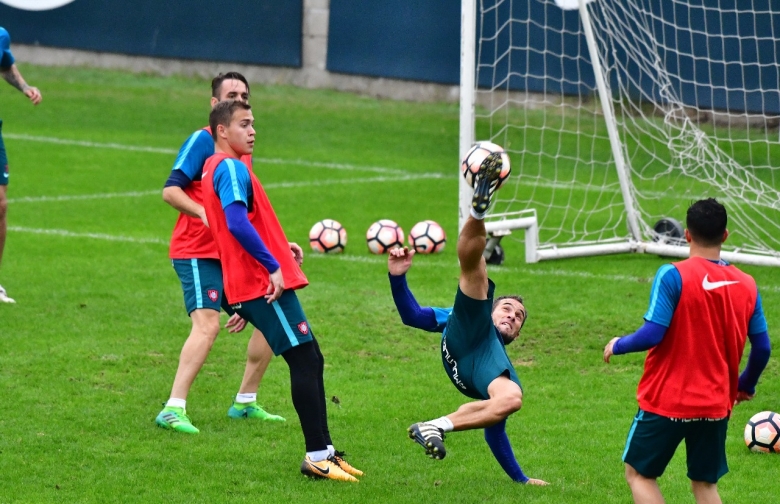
(696, 104)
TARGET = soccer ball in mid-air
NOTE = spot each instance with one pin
(762, 432)
(383, 235)
(474, 157)
(427, 237)
(328, 236)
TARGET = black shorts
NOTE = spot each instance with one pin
(653, 439)
(282, 322)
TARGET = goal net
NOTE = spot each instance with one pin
(618, 115)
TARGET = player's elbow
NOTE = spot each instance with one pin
(167, 194)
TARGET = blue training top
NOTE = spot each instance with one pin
(435, 320)
(6, 58)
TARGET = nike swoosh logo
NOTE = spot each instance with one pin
(707, 285)
(204, 174)
(236, 306)
(322, 471)
(5, 175)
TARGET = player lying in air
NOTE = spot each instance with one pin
(474, 332)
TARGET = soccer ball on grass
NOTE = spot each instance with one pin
(762, 432)
(328, 236)
(427, 237)
(384, 235)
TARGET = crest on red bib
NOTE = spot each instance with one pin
(213, 295)
(303, 327)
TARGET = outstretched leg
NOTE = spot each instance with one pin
(473, 237)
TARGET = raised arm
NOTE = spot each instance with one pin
(399, 261)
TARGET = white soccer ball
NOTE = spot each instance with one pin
(762, 432)
(474, 157)
(384, 235)
(427, 237)
(328, 236)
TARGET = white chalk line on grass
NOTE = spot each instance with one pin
(162, 150)
(79, 197)
(274, 185)
(369, 259)
(95, 236)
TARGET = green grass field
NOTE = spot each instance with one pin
(89, 352)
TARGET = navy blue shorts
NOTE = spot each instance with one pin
(282, 322)
(201, 281)
(653, 439)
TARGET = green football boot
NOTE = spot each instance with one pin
(252, 410)
(175, 419)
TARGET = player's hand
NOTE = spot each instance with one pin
(608, 349)
(743, 396)
(202, 215)
(235, 323)
(34, 95)
(297, 252)
(275, 286)
(536, 482)
(399, 260)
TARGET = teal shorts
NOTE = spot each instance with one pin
(201, 281)
(653, 439)
(3, 159)
(472, 351)
(282, 322)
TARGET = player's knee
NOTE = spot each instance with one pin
(632, 476)
(3, 206)
(514, 402)
(206, 327)
(704, 488)
(507, 404)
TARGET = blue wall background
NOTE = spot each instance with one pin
(419, 40)
(263, 32)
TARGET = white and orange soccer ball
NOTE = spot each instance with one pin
(474, 157)
(384, 235)
(328, 236)
(427, 237)
(762, 432)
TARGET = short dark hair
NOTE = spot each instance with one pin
(222, 113)
(706, 221)
(217, 81)
(517, 298)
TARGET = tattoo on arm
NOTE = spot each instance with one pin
(14, 78)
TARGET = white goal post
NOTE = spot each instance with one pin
(616, 115)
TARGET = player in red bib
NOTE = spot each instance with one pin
(261, 272)
(196, 261)
(702, 310)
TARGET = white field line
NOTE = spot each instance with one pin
(276, 185)
(95, 236)
(162, 150)
(378, 260)
(78, 197)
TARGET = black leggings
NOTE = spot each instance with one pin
(308, 393)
